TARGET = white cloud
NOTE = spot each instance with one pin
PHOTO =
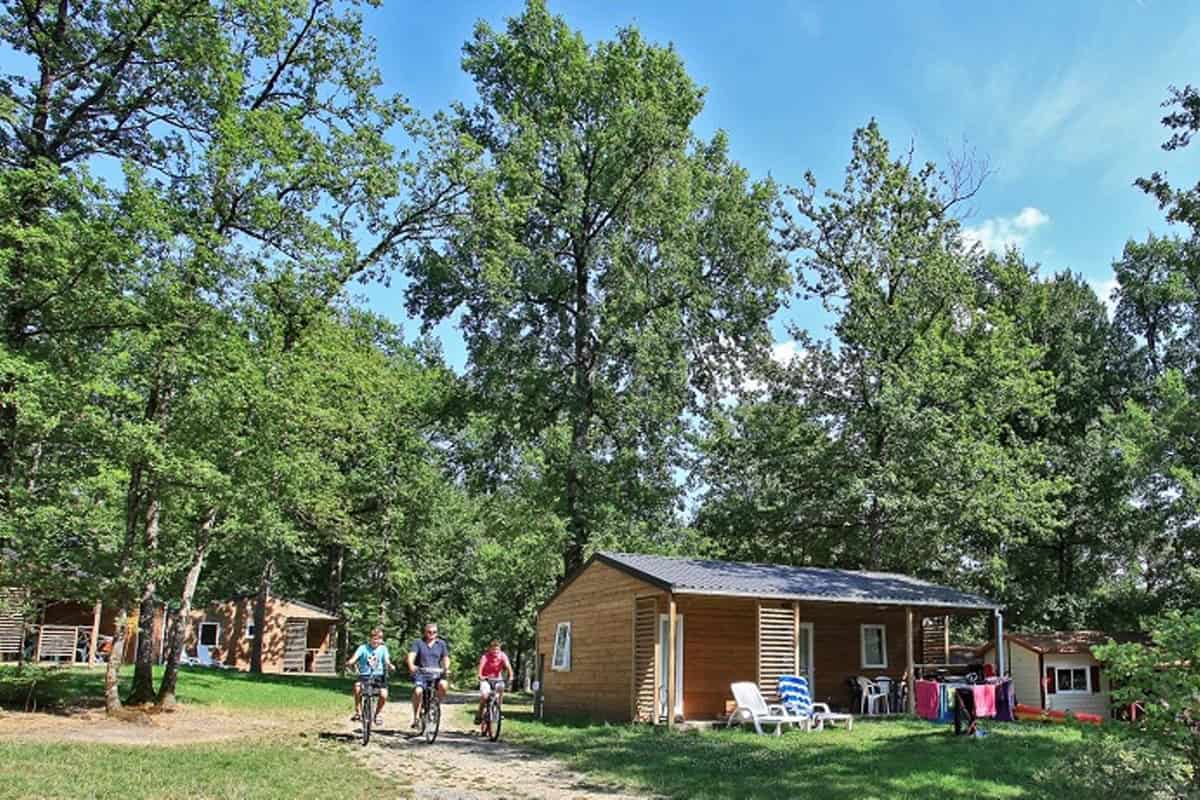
(1104, 290)
(1000, 233)
(784, 352)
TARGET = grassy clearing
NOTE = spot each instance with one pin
(285, 766)
(223, 690)
(885, 759)
(245, 769)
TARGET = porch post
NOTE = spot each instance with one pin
(796, 638)
(910, 675)
(672, 689)
(1000, 665)
(946, 644)
(95, 634)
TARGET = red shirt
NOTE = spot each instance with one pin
(491, 665)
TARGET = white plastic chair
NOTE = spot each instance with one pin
(873, 696)
(794, 692)
(750, 700)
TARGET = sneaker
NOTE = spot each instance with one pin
(356, 718)
(378, 720)
(415, 725)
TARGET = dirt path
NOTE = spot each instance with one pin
(462, 766)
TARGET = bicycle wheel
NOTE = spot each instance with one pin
(433, 717)
(368, 716)
(496, 717)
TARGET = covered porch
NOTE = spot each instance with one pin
(309, 645)
(688, 649)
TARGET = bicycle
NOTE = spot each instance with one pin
(371, 684)
(431, 705)
(492, 715)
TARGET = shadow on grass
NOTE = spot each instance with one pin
(894, 759)
(67, 688)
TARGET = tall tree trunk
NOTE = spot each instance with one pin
(260, 616)
(166, 688)
(581, 421)
(337, 562)
(143, 672)
(133, 504)
(112, 693)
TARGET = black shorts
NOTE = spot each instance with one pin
(379, 681)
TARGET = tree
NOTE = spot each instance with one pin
(253, 140)
(606, 261)
(893, 444)
(1164, 677)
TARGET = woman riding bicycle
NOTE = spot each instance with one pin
(373, 662)
(492, 664)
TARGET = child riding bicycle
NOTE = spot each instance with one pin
(373, 662)
(492, 664)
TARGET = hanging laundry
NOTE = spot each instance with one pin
(985, 700)
(928, 700)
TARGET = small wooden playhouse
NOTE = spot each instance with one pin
(628, 636)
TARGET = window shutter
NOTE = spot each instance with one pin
(1095, 679)
(1050, 687)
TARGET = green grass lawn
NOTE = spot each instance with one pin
(230, 771)
(878, 759)
(286, 765)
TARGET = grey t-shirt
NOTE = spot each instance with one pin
(430, 655)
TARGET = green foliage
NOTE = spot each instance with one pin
(893, 445)
(1164, 678)
(607, 263)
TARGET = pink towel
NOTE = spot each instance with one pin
(985, 700)
(927, 699)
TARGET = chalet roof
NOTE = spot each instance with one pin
(1069, 642)
(297, 609)
(776, 581)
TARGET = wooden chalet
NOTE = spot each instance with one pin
(67, 631)
(628, 636)
(298, 637)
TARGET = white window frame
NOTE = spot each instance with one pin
(200, 634)
(563, 664)
(862, 644)
(250, 631)
(1087, 678)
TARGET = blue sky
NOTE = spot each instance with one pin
(1061, 98)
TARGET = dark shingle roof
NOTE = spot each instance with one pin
(1069, 642)
(703, 576)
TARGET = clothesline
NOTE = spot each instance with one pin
(993, 699)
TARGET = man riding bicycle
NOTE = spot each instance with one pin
(428, 653)
(373, 662)
(492, 664)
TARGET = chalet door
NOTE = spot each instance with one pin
(664, 636)
(804, 653)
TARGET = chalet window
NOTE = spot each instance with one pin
(562, 648)
(249, 630)
(1072, 679)
(209, 633)
(874, 646)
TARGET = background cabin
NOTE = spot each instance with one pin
(297, 636)
(606, 649)
(1056, 671)
(62, 631)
